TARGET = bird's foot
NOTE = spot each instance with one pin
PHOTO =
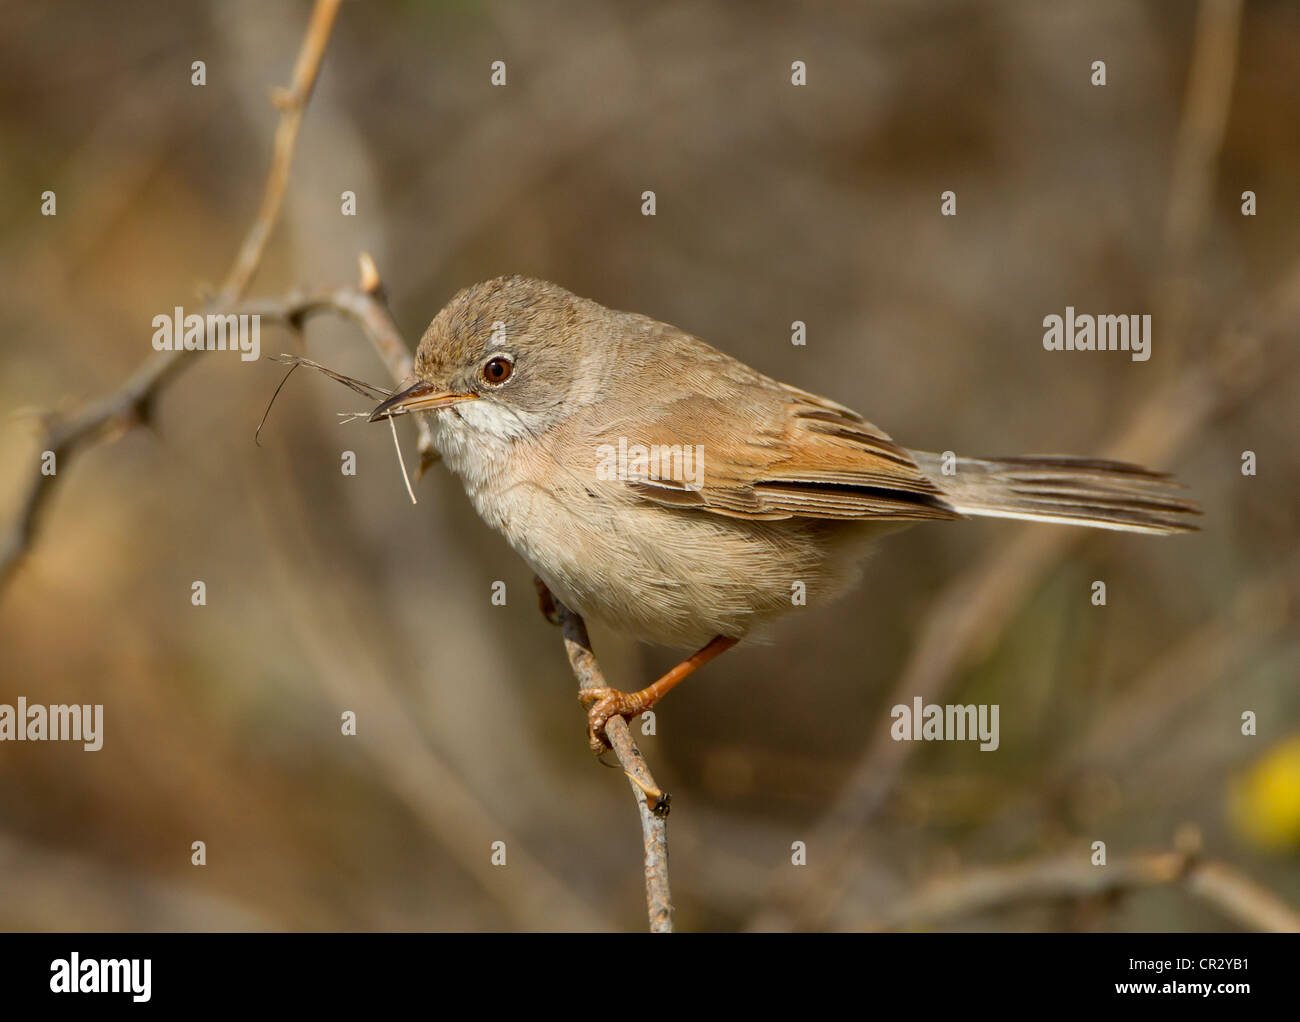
(605, 703)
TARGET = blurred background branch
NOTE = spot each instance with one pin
(1074, 877)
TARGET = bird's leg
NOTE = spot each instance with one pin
(603, 703)
(546, 602)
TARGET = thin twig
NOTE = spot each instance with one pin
(130, 404)
(651, 800)
(292, 104)
(367, 306)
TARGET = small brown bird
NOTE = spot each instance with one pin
(658, 485)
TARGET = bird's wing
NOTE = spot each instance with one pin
(770, 451)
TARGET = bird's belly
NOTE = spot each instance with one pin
(670, 576)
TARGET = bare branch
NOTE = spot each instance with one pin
(651, 800)
(130, 404)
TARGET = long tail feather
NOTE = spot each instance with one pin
(1058, 488)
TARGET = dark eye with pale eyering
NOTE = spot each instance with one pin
(497, 370)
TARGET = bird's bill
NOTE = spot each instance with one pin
(421, 396)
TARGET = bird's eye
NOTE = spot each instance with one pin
(497, 370)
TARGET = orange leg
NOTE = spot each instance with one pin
(603, 703)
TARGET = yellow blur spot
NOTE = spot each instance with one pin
(1265, 803)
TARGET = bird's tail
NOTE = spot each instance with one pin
(1059, 488)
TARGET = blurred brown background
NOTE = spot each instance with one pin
(775, 203)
